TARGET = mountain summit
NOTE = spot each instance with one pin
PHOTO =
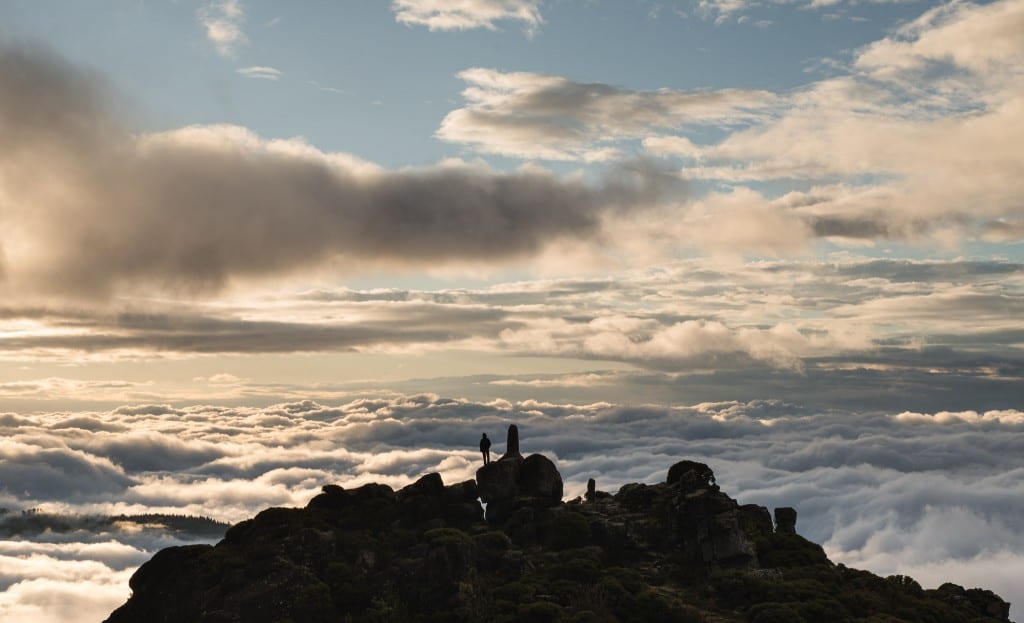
(680, 551)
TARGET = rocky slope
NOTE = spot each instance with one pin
(678, 551)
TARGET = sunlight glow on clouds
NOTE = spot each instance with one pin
(165, 207)
(530, 115)
(934, 112)
(811, 281)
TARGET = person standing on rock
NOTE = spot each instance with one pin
(485, 448)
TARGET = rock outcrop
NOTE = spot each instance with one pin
(785, 520)
(680, 551)
(513, 482)
(687, 515)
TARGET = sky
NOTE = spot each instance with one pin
(251, 248)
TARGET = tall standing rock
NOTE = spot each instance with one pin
(785, 520)
(512, 444)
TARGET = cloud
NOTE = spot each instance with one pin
(403, 325)
(980, 38)
(723, 11)
(467, 14)
(166, 208)
(32, 468)
(261, 72)
(56, 387)
(91, 597)
(223, 21)
(843, 318)
(686, 344)
(928, 492)
(1003, 231)
(530, 115)
(913, 142)
(151, 451)
(1007, 416)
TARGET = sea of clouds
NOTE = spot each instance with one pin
(937, 496)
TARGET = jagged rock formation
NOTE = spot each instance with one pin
(679, 551)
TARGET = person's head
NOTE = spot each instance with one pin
(485, 435)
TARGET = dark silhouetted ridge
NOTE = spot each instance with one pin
(678, 551)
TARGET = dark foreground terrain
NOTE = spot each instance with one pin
(679, 551)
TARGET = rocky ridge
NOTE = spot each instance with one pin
(677, 551)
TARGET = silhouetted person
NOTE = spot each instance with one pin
(485, 448)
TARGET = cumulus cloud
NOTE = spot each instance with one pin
(467, 14)
(196, 207)
(530, 115)
(979, 38)
(915, 140)
(224, 24)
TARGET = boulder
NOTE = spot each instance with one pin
(512, 478)
(465, 491)
(691, 476)
(498, 480)
(430, 485)
(539, 478)
(535, 476)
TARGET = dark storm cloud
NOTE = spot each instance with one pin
(196, 207)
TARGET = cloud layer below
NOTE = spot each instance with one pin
(931, 494)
